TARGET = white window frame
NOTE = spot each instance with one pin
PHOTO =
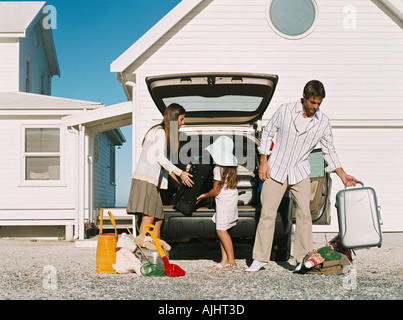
(23, 181)
(286, 36)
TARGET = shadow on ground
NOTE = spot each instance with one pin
(209, 249)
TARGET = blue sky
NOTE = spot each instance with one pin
(89, 35)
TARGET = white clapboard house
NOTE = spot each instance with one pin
(45, 166)
(354, 47)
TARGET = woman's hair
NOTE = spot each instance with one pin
(229, 177)
(171, 113)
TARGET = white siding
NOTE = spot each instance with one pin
(39, 63)
(38, 202)
(362, 70)
(9, 65)
(103, 189)
(375, 156)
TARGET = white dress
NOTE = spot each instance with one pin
(226, 214)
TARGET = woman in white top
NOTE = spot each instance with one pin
(226, 198)
(153, 167)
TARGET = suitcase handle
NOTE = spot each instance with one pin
(360, 182)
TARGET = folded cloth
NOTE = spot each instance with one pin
(147, 242)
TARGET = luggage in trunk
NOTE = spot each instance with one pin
(359, 218)
(185, 198)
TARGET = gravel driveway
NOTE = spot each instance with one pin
(26, 266)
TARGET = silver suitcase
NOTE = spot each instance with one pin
(359, 218)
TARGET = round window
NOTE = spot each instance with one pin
(292, 19)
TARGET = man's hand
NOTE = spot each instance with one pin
(347, 180)
(264, 170)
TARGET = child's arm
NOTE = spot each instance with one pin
(212, 193)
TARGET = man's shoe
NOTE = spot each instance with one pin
(298, 267)
(256, 266)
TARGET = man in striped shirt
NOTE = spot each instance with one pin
(298, 128)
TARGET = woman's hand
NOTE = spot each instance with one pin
(185, 177)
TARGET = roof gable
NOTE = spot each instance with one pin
(395, 7)
(50, 49)
(17, 17)
(394, 10)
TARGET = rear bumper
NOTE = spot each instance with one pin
(200, 225)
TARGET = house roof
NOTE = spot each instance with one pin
(31, 101)
(153, 35)
(116, 137)
(102, 119)
(395, 7)
(16, 17)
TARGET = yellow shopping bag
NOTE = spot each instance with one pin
(106, 247)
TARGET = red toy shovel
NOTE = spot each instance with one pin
(171, 270)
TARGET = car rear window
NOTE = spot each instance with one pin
(223, 103)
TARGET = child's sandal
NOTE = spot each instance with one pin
(217, 266)
(233, 267)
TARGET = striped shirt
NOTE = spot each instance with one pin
(295, 138)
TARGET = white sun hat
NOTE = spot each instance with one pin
(221, 151)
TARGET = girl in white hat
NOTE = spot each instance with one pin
(226, 198)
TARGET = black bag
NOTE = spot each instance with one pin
(184, 200)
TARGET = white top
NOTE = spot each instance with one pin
(226, 214)
(296, 137)
(301, 123)
(153, 157)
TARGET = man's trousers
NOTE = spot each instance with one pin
(271, 195)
